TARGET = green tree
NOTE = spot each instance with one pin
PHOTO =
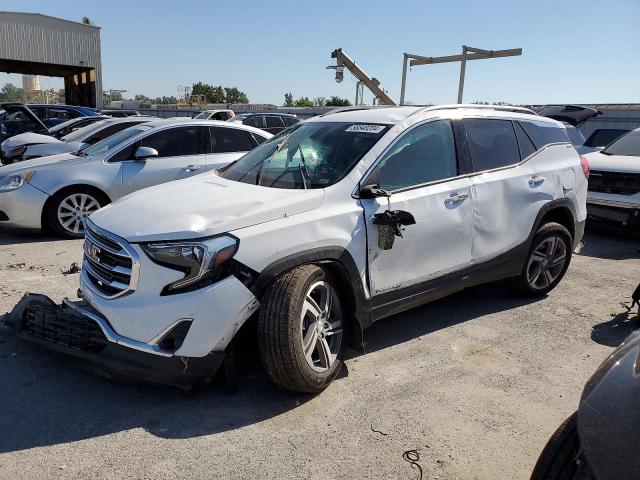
(288, 99)
(11, 93)
(233, 95)
(303, 102)
(319, 102)
(335, 101)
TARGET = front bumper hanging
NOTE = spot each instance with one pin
(76, 330)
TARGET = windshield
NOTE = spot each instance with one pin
(82, 133)
(63, 125)
(113, 141)
(575, 135)
(307, 155)
(628, 145)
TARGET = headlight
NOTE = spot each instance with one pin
(198, 259)
(13, 182)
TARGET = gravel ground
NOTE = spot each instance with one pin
(476, 383)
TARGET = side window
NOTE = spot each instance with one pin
(425, 154)
(226, 140)
(257, 139)
(107, 132)
(59, 114)
(524, 142)
(174, 142)
(274, 122)
(544, 133)
(257, 121)
(290, 120)
(492, 143)
(41, 113)
(127, 153)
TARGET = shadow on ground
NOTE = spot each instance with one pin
(610, 244)
(22, 237)
(612, 332)
(46, 401)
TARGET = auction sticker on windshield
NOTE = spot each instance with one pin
(363, 128)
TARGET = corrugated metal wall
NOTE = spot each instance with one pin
(32, 37)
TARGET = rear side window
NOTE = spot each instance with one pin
(544, 133)
(257, 139)
(226, 140)
(492, 143)
(290, 120)
(274, 122)
(524, 142)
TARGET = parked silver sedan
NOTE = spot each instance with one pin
(61, 191)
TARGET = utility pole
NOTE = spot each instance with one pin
(468, 53)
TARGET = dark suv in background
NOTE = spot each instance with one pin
(270, 122)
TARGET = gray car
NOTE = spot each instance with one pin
(61, 191)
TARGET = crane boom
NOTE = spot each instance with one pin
(342, 59)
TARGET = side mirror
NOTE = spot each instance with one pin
(373, 191)
(142, 153)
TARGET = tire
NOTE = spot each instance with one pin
(547, 261)
(562, 457)
(69, 208)
(293, 319)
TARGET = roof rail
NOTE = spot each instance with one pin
(502, 108)
(355, 108)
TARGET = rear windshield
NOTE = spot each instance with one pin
(307, 155)
(628, 145)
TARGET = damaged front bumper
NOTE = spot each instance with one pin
(75, 329)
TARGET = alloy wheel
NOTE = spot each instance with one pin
(73, 211)
(546, 262)
(321, 326)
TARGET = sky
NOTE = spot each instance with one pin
(574, 51)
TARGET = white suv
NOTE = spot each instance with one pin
(317, 233)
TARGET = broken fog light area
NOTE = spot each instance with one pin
(173, 340)
(57, 325)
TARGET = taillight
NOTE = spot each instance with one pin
(585, 166)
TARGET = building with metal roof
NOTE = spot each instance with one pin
(36, 44)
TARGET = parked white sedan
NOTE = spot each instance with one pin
(26, 146)
(61, 191)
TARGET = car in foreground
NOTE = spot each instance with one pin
(61, 191)
(599, 441)
(614, 185)
(311, 237)
(26, 146)
(269, 122)
(222, 115)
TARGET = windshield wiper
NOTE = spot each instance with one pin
(302, 166)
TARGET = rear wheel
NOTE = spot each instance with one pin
(300, 330)
(68, 210)
(562, 457)
(547, 262)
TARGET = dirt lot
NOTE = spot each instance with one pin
(476, 383)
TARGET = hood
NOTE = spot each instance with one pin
(599, 161)
(28, 138)
(20, 107)
(200, 206)
(572, 114)
(37, 164)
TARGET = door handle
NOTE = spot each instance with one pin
(535, 181)
(456, 198)
(191, 168)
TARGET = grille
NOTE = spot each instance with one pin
(55, 325)
(107, 264)
(614, 182)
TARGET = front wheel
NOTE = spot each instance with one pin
(300, 330)
(562, 457)
(547, 262)
(69, 210)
